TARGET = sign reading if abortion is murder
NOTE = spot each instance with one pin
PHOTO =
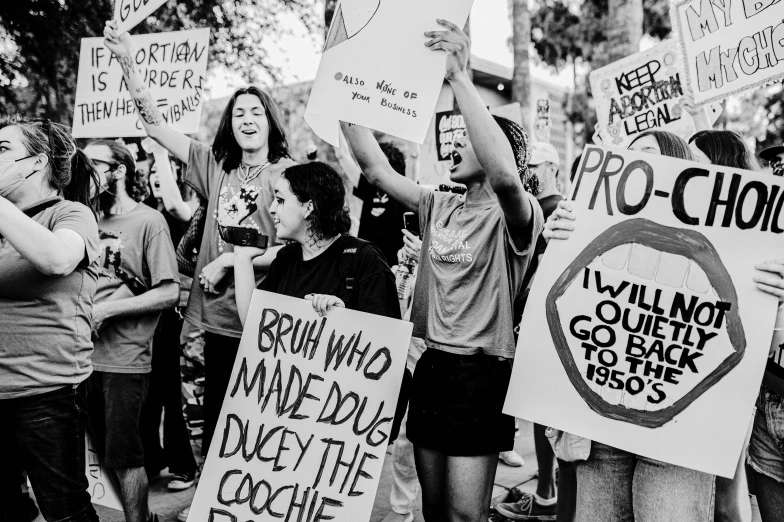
(306, 419)
(174, 67)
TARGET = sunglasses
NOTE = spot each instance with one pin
(778, 167)
(109, 164)
(243, 236)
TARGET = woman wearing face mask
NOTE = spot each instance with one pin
(478, 248)
(614, 484)
(237, 177)
(48, 279)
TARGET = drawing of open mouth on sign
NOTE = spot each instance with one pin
(645, 320)
(350, 18)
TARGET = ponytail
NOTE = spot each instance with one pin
(84, 183)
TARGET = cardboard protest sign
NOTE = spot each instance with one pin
(377, 72)
(174, 67)
(103, 486)
(729, 47)
(129, 13)
(641, 92)
(305, 423)
(450, 126)
(645, 326)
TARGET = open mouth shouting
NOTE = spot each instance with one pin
(456, 160)
(645, 320)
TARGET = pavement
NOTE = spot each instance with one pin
(169, 504)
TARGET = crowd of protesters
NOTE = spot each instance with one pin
(93, 249)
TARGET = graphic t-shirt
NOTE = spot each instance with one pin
(230, 203)
(45, 321)
(381, 220)
(374, 291)
(133, 245)
(469, 274)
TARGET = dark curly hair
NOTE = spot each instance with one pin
(225, 147)
(135, 180)
(319, 183)
(396, 158)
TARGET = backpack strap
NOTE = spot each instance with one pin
(348, 266)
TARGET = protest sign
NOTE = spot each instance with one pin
(128, 13)
(728, 46)
(639, 93)
(645, 326)
(102, 484)
(306, 419)
(173, 66)
(377, 72)
(450, 126)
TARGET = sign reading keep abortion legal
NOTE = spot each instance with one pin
(646, 326)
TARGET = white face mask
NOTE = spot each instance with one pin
(12, 178)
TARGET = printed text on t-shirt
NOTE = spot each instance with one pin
(450, 246)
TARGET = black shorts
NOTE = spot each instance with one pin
(456, 403)
(114, 403)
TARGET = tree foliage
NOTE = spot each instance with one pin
(40, 41)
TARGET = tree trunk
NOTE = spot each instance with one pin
(521, 42)
(625, 28)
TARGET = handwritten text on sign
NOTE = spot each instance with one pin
(129, 13)
(173, 66)
(647, 320)
(639, 93)
(305, 423)
(730, 45)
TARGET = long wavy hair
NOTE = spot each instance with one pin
(225, 147)
(725, 148)
(319, 183)
(69, 171)
(670, 144)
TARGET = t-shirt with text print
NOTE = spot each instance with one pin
(470, 271)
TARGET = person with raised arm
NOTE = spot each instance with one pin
(477, 248)
(236, 176)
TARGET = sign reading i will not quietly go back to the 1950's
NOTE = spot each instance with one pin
(306, 419)
(377, 72)
(128, 13)
(174, 67)
(646, 325)
(729, 45)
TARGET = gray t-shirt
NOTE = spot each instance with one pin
(229, 203)
(470, 271)
(45, 321)
(133, 245)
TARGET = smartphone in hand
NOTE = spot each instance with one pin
(411, 223)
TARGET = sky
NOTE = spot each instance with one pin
(298, 54)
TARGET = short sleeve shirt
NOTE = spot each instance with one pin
(470, 271)
(229, 203)
(45, 321)
(136, 244)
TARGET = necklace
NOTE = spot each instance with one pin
(250, 172)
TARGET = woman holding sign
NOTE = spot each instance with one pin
(237, 177)
(479, 247)
(48, 278)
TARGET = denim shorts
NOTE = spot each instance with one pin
(766, 447)
(114, 402)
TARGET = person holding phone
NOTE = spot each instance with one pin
(138, 278)
(477, 248)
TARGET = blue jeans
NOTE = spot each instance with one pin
(617, 486)
(44, 435)
(766, 447)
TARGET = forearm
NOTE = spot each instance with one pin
(49, 254)
(146, 107)
(701, 120)
(170, 192)
(244, 285)
(162, 297)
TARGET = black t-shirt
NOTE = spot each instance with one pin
(374, 289)
(381, 220)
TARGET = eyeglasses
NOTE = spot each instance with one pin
(109, 164)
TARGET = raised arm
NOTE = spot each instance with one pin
(487, 139)
(146, 107)
(170, 192)
(377, 170)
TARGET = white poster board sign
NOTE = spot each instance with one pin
(729, 46)
(645, 326)
(103, 486)
(304, 426)
(128, 13)
(174, 67)
(377, 72)
(639, 93)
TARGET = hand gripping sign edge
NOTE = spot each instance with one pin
(688, 243)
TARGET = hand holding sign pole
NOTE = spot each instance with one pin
(376, 71)
(128, 13)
